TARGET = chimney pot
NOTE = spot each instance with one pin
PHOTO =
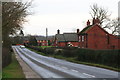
(93, 21)
(58, 31)
(88, 23)
(78, 30)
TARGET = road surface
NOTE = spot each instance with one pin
(49, 67)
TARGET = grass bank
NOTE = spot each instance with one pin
(73, 59)
(13, 70)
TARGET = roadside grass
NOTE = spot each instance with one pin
(13, 70)
(73, 59)
(44, 46)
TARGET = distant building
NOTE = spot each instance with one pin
(42, 41)
(66, 39)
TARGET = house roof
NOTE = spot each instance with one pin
(71, 36)
(67, 37)
(43, 37)
(40, 38)
(85, 29)
(60, 37)
(50, 37)
(26, 38)
(91, 26)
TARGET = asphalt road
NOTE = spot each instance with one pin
(49, 67)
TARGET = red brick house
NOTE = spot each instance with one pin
(66, 39)
(95, 37)
(43, 41)
(26, 40)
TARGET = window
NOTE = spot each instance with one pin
(79, 38)
(56, 41)
(43, 44)
(38, 41)
(82, 38)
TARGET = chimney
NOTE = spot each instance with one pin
(58, 31)
(88, 23)
(93, 21)
(96, 21)
(78, 30)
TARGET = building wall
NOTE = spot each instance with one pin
(82, 41)
(61, 44)
(64, 44)
(42, 43)
(119, 43)
(99, 39)
(114, 42)
(75, 44)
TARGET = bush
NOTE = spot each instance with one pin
(6, 57)
(105, 57)
(50, 50)
(36, 48)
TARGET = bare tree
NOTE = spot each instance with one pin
(100, 13)
(103, 15)
(114, 26)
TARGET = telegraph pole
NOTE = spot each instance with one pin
(47, 36)
(119, 11)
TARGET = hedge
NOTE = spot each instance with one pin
(105, 57)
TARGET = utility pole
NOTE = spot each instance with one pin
(119, 11)
(47, 36)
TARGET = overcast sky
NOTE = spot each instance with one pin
(66, 15)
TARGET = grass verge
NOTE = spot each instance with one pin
(44, 46)
(76, 61)
(13, 70)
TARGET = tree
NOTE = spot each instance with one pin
(114, 26)
(21, 33)
(100, 13)
(103, 15)
(13, 15)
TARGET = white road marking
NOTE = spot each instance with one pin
(88, 75)
(64, 67)
(74, 70)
